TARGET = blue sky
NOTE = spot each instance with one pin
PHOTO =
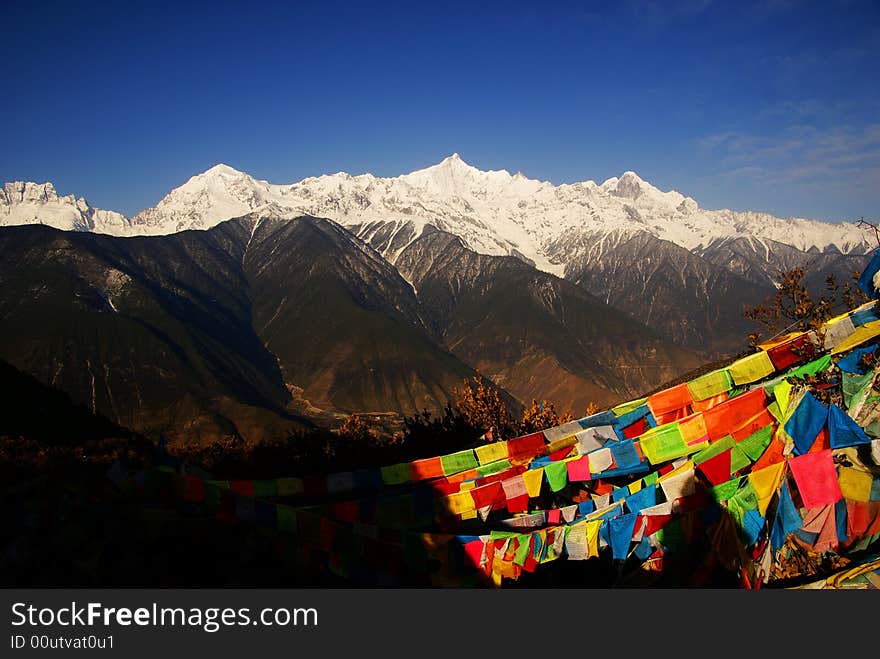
(769, 106)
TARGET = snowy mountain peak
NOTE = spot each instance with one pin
(24, 202)
(493, 211)
(17, 192)
(222, 170)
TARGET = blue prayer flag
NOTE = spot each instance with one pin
(840, 517)
(605, 418)
(621, 534)
(586, 507)
(866, 280)
(806, 423)
(843, 430)
(625, 454)
(850, 363)
(644, 498)
(787, 520)
(753, 524)
(643, 550)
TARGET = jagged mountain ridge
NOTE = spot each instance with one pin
(38, 203)
(695, 302)
(655, 255)
(493, 211)
(538, 336)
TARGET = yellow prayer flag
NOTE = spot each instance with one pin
(635, 487)
(491, 452)
(779, 340)
(694, 432)
(765, 482)
(710, 384)
(458, 503)
(782, 391)
(751, 368)
(863, 333)
(533, 479)
(855, 484)
(290, 486)
(623, 408)
(593, 538)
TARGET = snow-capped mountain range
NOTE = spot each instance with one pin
(494, 212)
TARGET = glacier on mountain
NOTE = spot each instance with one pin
(494, 212)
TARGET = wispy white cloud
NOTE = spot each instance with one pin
(843, 156)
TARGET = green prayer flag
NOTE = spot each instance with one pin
(624, 408)
(782, 394)
(738, 459)
(522, 551)
(663, 443)
(289, 486)
(671, 535)
(286, 519)
(650, 479)
(726, 490)
(854, 386)
(755, 444)
(396, 474)
(811, 368)
(716, 448)
(457, 462)
(557, 475)
(266, 488)
(710, 384)
(746, 497)
(493, 467)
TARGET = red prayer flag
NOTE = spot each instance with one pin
(656, 522)
(772, 455)
(488, 495)
(601, 487)
(578, 470)
(242, 488)
(194, 491)
(635, 429)
(816, 478)
(561, 453)
(786, 354)
(670, 400)
(823, 441)
(761, 420)
(314, 486)
(526, 447)
(443, 487)
(518, 504)
(427, 468)
(734, 413)
(474, 551)
(717, 469)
